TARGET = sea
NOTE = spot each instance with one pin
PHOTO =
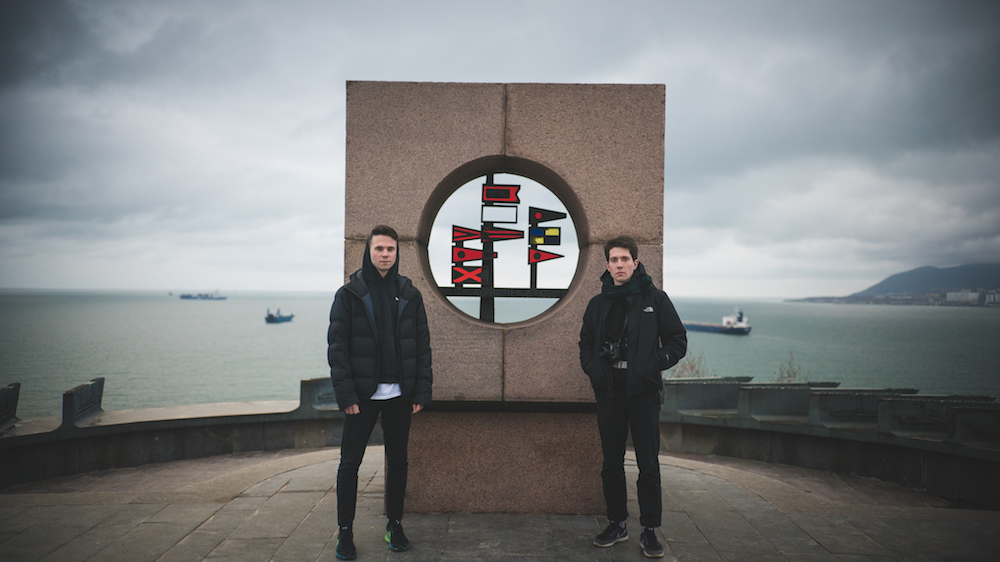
(155, 349)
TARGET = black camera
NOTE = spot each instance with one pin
(611, 351)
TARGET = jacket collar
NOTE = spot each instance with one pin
(357, 285)
(639, 283)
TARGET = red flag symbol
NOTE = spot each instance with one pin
(535, 256)
(501, 193)
(465, 254)
(461, 234)
(502, 234)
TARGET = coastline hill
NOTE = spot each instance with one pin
(928, 279)
(972, 284)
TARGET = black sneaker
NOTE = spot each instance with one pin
(395, 537)
(615, 533)
(650, 546)
(345, 544)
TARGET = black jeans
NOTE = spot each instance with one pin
(641, 414)
(358, 428)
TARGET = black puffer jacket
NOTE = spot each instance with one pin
(657, 338)
(353, 343)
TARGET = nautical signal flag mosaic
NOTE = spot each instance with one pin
(497, 259)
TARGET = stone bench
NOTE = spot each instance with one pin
(852, 409)
(715, 397)
(8, 406)
(778, 402)
(976, 425)
(82, 403)
(923, 417)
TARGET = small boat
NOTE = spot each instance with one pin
(277, 317)
(203, 296)
(735, 324)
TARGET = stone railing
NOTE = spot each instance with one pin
(8, 406)
(87, 438)
(947, 445)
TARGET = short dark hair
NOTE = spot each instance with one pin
(383, 230)
(621, 242)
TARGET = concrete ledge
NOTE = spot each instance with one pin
(945, 445)
(89, 439)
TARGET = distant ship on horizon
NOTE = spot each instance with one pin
(277, 318)
(736, 324)
(204, 296)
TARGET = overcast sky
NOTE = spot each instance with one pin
(812, 148)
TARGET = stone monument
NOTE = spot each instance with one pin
(513, 426)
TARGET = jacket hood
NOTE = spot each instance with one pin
(368, 269)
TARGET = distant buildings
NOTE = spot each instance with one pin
(958, 297)
(974, 298)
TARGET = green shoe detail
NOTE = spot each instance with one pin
(395, 537)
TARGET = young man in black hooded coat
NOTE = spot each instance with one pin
(380, 361)
(630, 334)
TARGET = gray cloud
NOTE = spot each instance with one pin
(833, 79)
(37, 38)
(811, 147)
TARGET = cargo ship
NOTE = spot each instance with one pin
(736, 324)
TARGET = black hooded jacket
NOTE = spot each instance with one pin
(657, 339)
(353, 342)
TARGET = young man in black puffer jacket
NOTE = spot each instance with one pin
(630, 334)
(380, 362)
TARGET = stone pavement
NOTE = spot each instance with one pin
(281, 506)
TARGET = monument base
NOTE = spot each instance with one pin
(505, 462)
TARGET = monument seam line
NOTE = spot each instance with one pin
(503, 133)
(503, 364)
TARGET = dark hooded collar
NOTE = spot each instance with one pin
(637, 284)
(370, 273)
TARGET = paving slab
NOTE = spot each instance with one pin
(838, 536)
(85, 546)
(309, 538)
(197, 545)
(677, 527)
(281, 506)
(784, 535)
(728, 531)
(694, 552)
(147, 541)
(896, 539)
(246, 550)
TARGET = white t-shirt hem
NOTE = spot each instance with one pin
(387, 391)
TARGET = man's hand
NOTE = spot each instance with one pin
(417, 408)
(353, 409)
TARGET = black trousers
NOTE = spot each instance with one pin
(641, 414)
(395, 414)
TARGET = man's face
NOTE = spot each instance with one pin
(383, 253)
(621, 266)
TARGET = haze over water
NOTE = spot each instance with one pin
(157, 350)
